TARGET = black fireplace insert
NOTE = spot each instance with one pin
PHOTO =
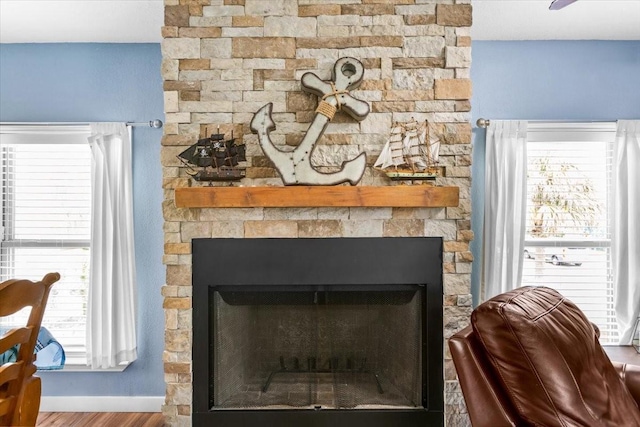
(317, 332)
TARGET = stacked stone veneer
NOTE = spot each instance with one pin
(224, 59)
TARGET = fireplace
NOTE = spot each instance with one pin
(291, 332)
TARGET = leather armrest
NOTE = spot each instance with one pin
(630, 375)
(487, 405)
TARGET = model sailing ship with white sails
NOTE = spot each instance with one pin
(410, 153)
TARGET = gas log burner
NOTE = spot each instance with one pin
(317, 332)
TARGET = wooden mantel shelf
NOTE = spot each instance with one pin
(317, 196)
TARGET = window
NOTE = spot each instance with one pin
(568, 233)
(46, 215)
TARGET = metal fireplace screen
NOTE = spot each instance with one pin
(305, 347)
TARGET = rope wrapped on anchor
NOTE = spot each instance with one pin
(326, 109)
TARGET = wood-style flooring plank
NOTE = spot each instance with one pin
(106, 419)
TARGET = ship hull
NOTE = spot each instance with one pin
(220, 174)
(408, 174)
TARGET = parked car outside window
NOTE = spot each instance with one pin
(557, 256)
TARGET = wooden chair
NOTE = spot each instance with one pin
(19, 388)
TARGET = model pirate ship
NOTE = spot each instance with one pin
(410, 153)
(215, 159)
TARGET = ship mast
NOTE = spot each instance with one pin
(412, 150)
(426, 143)
(395, 145)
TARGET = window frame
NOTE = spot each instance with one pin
(14, 134)
(597, 132)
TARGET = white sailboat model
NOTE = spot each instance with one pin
(410, 153)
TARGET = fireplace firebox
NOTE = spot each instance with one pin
(317, 332)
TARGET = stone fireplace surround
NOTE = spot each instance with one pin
(224, 59)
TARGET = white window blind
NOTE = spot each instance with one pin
(46, 215)
(568, 235)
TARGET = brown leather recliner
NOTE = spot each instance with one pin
(531, 358)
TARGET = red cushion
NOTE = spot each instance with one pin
(549, 360)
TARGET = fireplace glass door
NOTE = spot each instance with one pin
(316, 347)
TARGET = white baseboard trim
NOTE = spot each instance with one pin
(101, 403)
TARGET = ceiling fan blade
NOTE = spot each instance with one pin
(559, 4)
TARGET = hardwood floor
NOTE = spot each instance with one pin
(100, 419)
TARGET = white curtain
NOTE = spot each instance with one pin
(625, 239)
(505, 206)
(111, 313)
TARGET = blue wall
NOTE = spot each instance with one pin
(547, 80)
(103, 82)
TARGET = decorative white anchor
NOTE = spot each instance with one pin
(295, 166)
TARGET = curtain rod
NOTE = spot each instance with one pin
(483, 123)
(156, 124)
